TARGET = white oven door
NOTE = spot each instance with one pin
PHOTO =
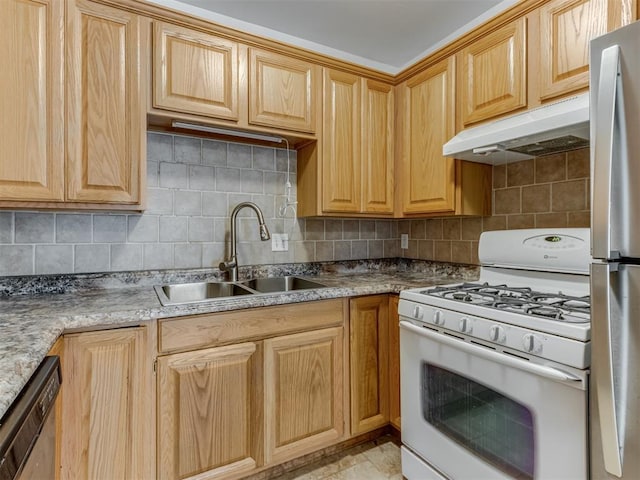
(474, 413)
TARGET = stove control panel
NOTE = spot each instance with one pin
(560, 349)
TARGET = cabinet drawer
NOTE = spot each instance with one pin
(199, 331)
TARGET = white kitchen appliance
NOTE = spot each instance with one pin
(615, 242)
(494, 373)
(553, 127)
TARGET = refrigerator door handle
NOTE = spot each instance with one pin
(608, 404)
(603, 153)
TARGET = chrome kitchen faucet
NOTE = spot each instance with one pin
(231, 265)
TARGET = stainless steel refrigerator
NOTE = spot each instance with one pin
(615, 244)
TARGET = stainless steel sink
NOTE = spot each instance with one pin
(280, 284)
(181, 293)
(198, 292)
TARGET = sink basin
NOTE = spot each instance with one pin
(280, 284)
(181, 293)
(198, 292)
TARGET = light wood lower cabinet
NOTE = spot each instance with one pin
(108, 406)
(303, 386)
(394, 362)
(369, 332)
(257, 388)
(209, 405)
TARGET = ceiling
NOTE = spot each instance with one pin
(386, 35)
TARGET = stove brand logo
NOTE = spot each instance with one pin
(547, 257)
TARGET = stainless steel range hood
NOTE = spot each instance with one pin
(557, 127)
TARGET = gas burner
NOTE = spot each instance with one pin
(522, 300)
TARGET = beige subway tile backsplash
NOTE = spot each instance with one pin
(194, 184)
(569, 196)
(551, 191)
(536, 198)
(507, 200)
(520, 173)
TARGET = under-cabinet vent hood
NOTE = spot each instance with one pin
(557, 127)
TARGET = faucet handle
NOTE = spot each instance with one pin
(227, 265)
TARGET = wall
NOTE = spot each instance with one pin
(193, 185)
(551, 191)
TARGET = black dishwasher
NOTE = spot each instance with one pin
(27, 430)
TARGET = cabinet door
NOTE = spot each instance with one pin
(194, 72)
(377, 147)
(492, 74)
(303, 385)
(106, 110)
(341, 143)
(32, 100)
(394, 362)
(107, 411)
(208, 418)
(282, 91)
(428, 178)
(566, 27)
(369, 355)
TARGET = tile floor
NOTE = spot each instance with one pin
(376, 460)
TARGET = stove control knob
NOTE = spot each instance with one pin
(465, 325)
(497, 334)
(417, 312)
(438, 317)
(531, 343)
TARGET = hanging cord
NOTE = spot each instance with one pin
(287, 203)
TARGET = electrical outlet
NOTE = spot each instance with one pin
(404, 241)
(279, 242)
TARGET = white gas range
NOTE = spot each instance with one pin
(494, 373)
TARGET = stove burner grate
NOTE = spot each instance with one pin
(523, 300)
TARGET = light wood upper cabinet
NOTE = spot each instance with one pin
(32, 100)
(108, 406)
(209, 405)
(341, 158)
(106, 114)
(492, 74)
(377, 147)
(428, 183)
(369, 355)
(428, 112)
(194, 72)
(350, 169)
(565, 29)
(282, 91)
(303, 387)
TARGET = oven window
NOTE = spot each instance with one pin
(487, 423)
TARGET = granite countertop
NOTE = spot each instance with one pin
(31, 323)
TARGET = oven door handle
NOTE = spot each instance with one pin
(536, 369)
